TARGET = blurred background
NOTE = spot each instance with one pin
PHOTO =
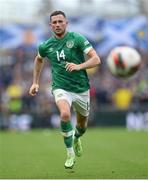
(106, 24)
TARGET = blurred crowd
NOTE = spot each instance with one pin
(107, 91)
(18, 110)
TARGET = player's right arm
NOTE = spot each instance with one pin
(38, 65)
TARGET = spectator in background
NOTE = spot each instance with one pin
(122, 98)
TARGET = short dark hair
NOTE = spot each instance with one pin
(57, 13)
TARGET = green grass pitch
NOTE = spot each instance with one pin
(109, 153)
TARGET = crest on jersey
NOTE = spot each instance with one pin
(70, 44)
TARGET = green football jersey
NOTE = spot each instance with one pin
(71, 48)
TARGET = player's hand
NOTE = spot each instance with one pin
(71, 67)
(34, 89)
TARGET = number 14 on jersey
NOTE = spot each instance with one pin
(60, 55)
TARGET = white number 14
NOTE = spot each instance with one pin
(60, 55)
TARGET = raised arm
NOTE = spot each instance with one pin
(93, 61)
(38, 65)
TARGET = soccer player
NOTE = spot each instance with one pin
(66, 52)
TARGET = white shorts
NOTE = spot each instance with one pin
(79, 101)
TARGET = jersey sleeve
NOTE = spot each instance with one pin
(83, 44)
(41, 50)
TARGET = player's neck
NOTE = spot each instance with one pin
(60, 36)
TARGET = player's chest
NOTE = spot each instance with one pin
(61, 50)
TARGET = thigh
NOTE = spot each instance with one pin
(64, 108)
(60, 94)
(63, 100)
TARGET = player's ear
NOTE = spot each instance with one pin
(50, 25)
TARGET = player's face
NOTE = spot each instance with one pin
(58, 25)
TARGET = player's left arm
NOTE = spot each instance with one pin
(93, 61)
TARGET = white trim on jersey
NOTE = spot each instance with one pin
(87, 50)
(40, 55)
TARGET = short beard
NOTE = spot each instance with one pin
(60, 34)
